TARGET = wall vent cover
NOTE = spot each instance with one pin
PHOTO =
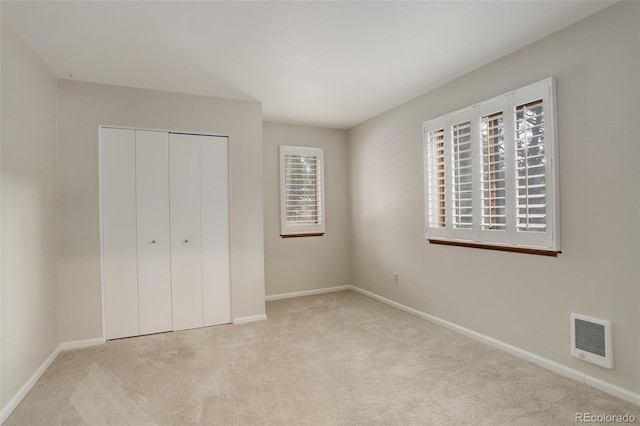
(592, 340)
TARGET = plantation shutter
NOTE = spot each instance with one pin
(531, 212)
(534, 197)
(463, 174)
(489, 175)
(302, 190)
(495, 190)
(435, 141)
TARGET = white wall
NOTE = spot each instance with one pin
(309, 263)
(82, 107)
(29, 314)
(596, 64)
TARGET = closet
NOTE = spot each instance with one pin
(165, 231)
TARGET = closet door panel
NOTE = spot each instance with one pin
(186, 249)
(215, 230)
(154, 258)
(119, 253)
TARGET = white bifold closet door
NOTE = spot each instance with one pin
(186, 239)
(199, 230)
(165, 231)
(119, 246)
(214, 207)
(152, 207)
(135, 231)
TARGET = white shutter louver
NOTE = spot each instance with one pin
(462, 175)
(302, 190)
(491, 174)
(493, 168)
(531, 206)
(435, 180)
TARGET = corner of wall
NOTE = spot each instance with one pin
(29, 186)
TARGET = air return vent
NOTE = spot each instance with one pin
(592, 340)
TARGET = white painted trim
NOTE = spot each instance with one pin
(252, 318)
(565, 371)
(611, 389)
(177, 131)
(77, 344)
(24, 390)
(296, 228)
(307, 292)
(602, 385)
(102, 303)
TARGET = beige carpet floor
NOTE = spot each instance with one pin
(333, 359)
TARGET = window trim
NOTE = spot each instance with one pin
(547, 242)
(289, 229)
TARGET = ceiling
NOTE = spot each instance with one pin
(332, 64)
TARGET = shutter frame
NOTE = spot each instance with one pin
(507, 103)
(314, 185)
(432, 189)
(486, 109)
(539, 91)
(461, 118)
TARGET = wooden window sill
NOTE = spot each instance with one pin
(320, 234)
(540, 252)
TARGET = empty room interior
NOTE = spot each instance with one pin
(320, 212)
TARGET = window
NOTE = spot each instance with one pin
(490, 174)
(493, 194)
(435, 160)
(301, 191)
(462, 175)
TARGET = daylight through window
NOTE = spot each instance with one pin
(301, 191)
(490, 178)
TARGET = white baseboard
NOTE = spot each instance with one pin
(24, 390)
(576, 375)
(602, 385)
(611, 389)
(252, 318)
(307, 292)
(77, 344)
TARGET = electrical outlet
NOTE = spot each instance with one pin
(395, 277)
